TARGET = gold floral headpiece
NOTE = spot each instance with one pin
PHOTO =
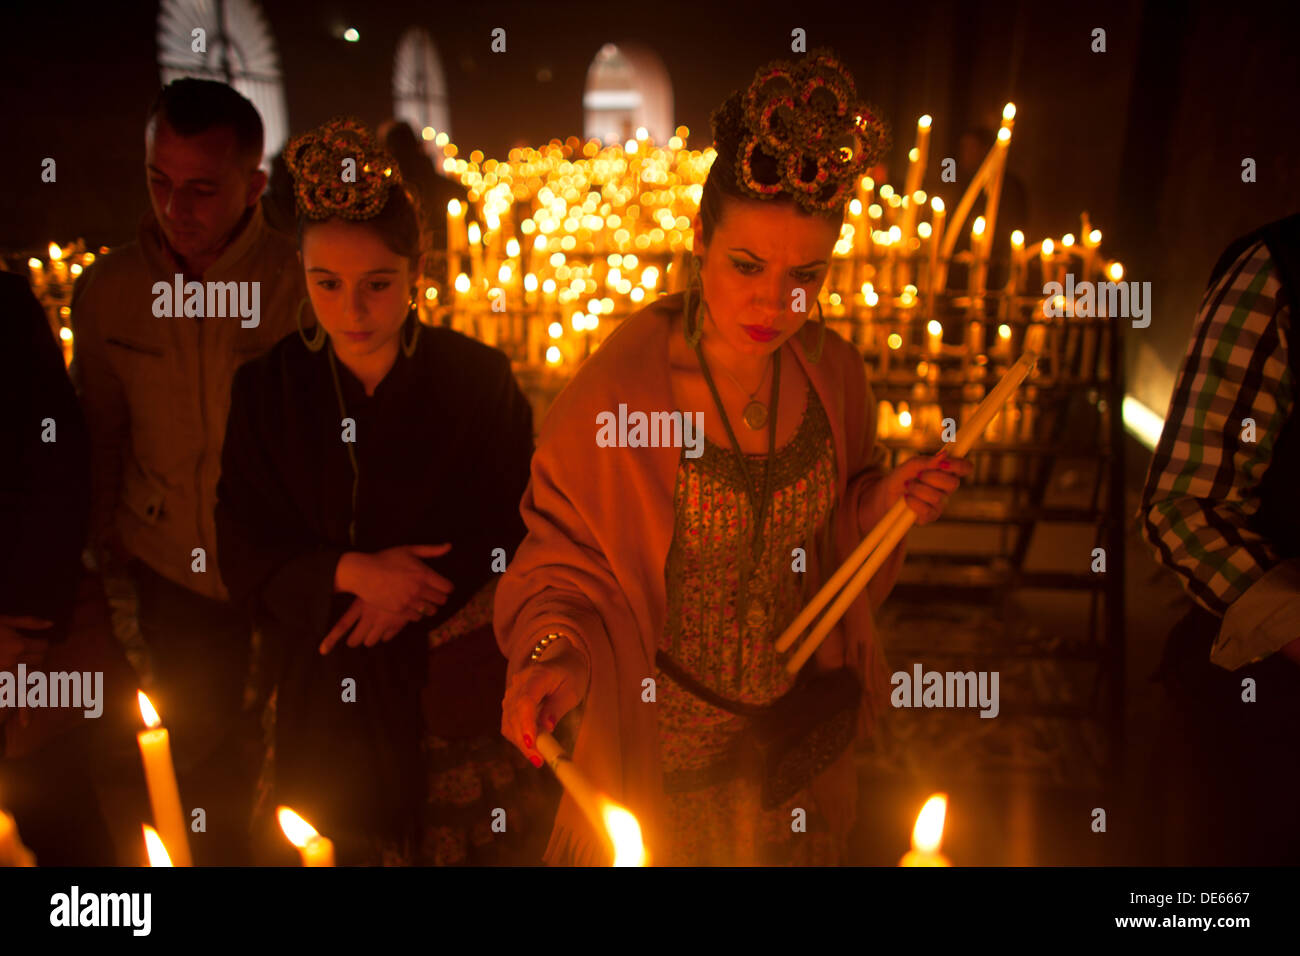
(806, 117)
(326, 185)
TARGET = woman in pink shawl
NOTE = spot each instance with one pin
(704, 472)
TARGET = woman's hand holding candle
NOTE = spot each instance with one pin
(925, 482)
(541, 693)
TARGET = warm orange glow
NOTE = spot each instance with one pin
(625, 833)
(1004, 135)
(150, 716)
(1004, 332)
(1009, 111)
(978, 228)
(453, 208)
(1018, 239)
(928, 832)
(924, 122)
(298, 830)
(1067, 240)
(1116, 271)
(1048, 247)
(895, 340)
(55, 252)
(153, 845)
(936, 204)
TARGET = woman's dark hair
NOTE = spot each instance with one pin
(721, 186)
(397, 225)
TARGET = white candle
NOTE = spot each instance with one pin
(160, 776)
(938, 272)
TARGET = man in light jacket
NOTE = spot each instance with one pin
(160, 326)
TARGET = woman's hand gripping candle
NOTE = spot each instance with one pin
(926, 482)
(541, 693)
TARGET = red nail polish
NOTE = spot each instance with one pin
(528, 740)
(536, 760)
(946, 465)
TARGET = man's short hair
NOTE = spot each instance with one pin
(192, 106)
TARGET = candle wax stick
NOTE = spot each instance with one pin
(895, 525)
(574, 781)
(921, 858)
(318, 851)
(164, 796)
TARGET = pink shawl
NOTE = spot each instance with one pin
(600, 523)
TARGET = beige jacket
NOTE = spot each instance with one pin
(156, 391)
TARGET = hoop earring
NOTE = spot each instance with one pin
(317, 341)
(816, 354)
(408, 348)
(694, 333)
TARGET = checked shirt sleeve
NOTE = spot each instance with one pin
(1203, 482)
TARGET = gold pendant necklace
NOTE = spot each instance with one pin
(755, 414)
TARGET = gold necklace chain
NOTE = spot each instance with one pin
(755, 413)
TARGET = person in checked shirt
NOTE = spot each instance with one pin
(1219, 509)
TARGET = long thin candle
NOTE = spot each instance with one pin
(898, 520)
(160, 776)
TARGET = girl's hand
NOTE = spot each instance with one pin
(924, 482)
(539, 695)
(370, 625)
(395, 579)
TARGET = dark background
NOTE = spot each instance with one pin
(1148, 137)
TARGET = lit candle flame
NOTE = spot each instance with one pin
(150, 716)
(928, 832)
(153, 845)
(298, 830)
(625, 834)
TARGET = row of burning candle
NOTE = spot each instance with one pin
(583, 206)
(167, 843)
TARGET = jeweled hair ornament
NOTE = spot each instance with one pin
(316, 161)
(805, 116)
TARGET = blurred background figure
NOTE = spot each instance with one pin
(432, 192)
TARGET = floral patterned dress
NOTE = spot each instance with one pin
(714, 816)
